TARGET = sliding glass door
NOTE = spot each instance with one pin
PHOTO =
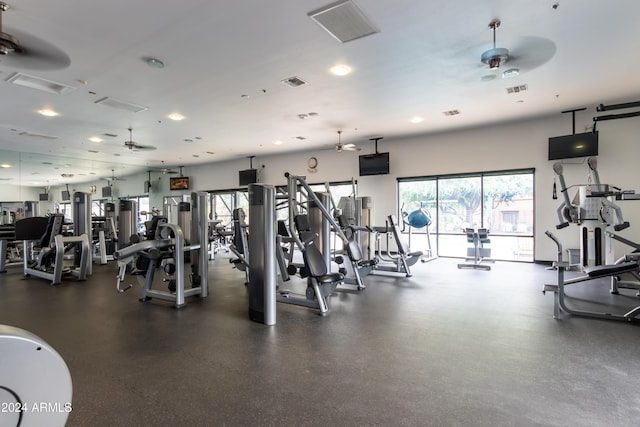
(499, 201)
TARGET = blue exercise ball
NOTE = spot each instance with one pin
(419, 218)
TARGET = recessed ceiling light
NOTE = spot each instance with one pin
(176, 116)
(188, 140)
(196, 155)
(95, 139)
(94, 151)
(5, 165)
(277, 142)
(416, 119)
(487, 77)
(48, 112)
(209, 152)
(340, 70)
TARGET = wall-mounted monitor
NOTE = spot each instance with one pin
(570, 146)
(44, 197)
(66, 195)
(248, 176)
(106, 191)
(179, 183)
(374, 164)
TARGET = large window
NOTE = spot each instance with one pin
(500, 201)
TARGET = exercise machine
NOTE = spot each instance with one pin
(593, 212)
(165, 248)
(262, 262)
(477, 252)
(419, 219)
(45, 249)
(10, 249)
(127, 222)
(35, 384)
(389, 263)
(591, 273)
(321, 222)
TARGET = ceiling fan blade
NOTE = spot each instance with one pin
(531, 52)
(37, 54)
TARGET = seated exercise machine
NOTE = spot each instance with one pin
(320, 281)
(631, 279)
(263, 264)
(45, 249)
(166, 248)
(389, 263)
(35, 384)
(357, 267)
(10, 249)
(239, 244)
(104, 238)
(477, 252)
(592, 273)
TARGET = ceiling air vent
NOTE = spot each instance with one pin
(33, 82)
(343, 20)
(121, 105)
(451, 112)
(112, 135)
(294, 82)
(37, 135)
(517, 89)
(300, 138)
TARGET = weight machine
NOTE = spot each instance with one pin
(166, 248)
(593, 212)
(592, 273)
(45, 249)
(477, 252)
(262, 261)
(389, 263)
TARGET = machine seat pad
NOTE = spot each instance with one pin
(413, 254)
(609, 270)
(367, 263)
(330, 278)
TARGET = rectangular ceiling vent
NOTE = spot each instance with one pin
(121, 105)
(344, 21)
(44, 85)
(517, 89)
(37, 135)
(112, 135)
(300, 138)
(451, 112)
(294, 82)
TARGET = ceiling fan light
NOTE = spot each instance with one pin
(495, 57)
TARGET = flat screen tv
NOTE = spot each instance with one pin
(44, 197)
(374, 164)
(570, 146)
(66, 195)
(179, 183)
(106, 191)
(248, 176)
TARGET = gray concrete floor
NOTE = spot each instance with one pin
(447, 347)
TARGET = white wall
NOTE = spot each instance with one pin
(510, 146)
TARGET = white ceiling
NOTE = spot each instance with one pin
(424, 60)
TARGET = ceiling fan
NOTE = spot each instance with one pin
(22, 50)
(528, 53)
(165, 170)
(113, 177)
(134, 146)
(340, 147)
